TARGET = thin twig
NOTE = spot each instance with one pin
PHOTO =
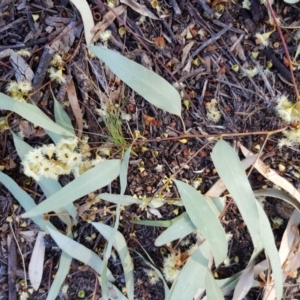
(22, 257)
(285, 49)
(212, 39)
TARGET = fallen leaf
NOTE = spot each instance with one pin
(36, 265)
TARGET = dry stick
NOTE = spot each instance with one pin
(176, 8)
(221, 135)
(212, 39)
(12, 267)
(22, 257)
(285, 49)
(12, 24)
(41, 71)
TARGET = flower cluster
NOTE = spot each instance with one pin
(19, 90)
(51, 161)
(213, 113)
(171, 270)
(292, 138)
(153, 276)
(56, 71)
(289, 112)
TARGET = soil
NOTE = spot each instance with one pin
(223, 36)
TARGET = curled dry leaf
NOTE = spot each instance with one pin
(75, 107)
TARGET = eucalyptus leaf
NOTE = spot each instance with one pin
(114, 198)
(31, 113)
(234, 177)
(291, 1)
(205, 220)
(119, 244)
(147, 83)
(213, 291)
(271, 250)
(116, 238)
(62, 118)
(24, 199)
(93, 179)
(60, 276)
(179, 229)
(278, 194)
(78, 251)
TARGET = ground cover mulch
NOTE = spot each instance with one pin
(204, 70)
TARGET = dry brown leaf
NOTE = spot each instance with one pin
(71, 92)
(271, 175)
(22, 69)
(218, 188)
(115, 95)
(287, 242)
(186, 51)
(106, 21)
(238, 47)
(141, 9)
(149, 120)
(36, 265)
(10, 164)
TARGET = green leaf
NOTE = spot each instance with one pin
(234, 177)
(60, 276)
(78, 251)
(117, 236)
(181, 228)
(93, 179)
(213, 291)
(271, 250)
(114, 198)
(62, 118)
(24, 199)
(205, 220)
(291, 1)
(31, 113)
(119, 244)
(278, 194)
(148, 84)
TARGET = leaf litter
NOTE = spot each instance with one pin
(196, 54)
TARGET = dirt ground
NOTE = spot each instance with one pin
(210, 48)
